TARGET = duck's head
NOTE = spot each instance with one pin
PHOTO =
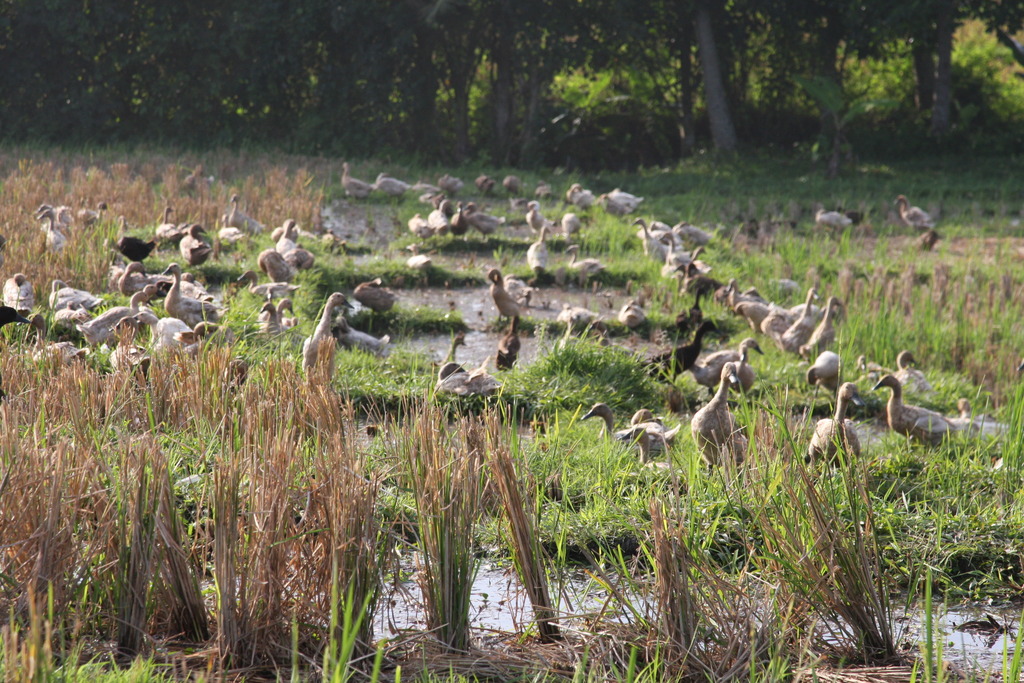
(600, 410)
(9, 315)
(338, 299)
(888, 381)
(249, 276)
(963, 406)
(20, 279)
(494, 275)
(901, 200)
(750, 344)
(173, 269)
(39, 323)
(729, 375)
(643, 415)
(848, 392)
(904, 359)
(57, 285)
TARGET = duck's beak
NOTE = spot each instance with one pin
(590, 414)
(857, 400)
(877, 386)
(22, 319)
(1020, 368)
(167, 271)
(733, 379)
(758, 349)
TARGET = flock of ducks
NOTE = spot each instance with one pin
(192, 314)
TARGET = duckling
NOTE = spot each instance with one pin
(570, 224)
(269, 290)
(274, 265)
(632, 314)
(919, 423)
(454, 379)
(579, 196)
(505, 303)
(831, 219)
(318, 349)
(508, 347)
(236, 218)
(417, 261)
(194, 249)
(19, 294)
(707, 371)
(910, 377)
(167, 231)
(801, 330)
(824, 334)
(913, 216)
(824, 371)
(375, 296)
(484, 183)
(359, 189)
(682, 357)
(63, 352)
(62, 296)
(832, 433)
(714, 428)
(537, 254)
(587, 267)
(190, 311)
(393, 187)
(450, 184)
(100, 328)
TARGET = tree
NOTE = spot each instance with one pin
(723, 133)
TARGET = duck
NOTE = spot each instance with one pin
(682, 358)
(66, 318)
(484, 223)
(269, 290)
(587, 267)
(825, 371)
(11, 315)
(707, 371)
(230, 235)
(915, 422)
(438, 220)
(197, 180)
(459, 223)
(56, 239)
(419, 226)
(632, 314)
(690, 319)
(194, 249)
(90, 217)
(824, 334)
(518, 288)
(754, 312)
(236, 218)
(165, 332)
(458, 339)
(975, 425)
(393, 187)
(450, 184)
(579, 196)
(62, 296)
(910, 378)
(797, 334)
(268, 320)
(691, 233)
(275, 267)
(713, 427)
(913, 216)
(619, 203)
(505, 303)
(534, 218)
(166, 231)
(642, 422)
(318, 349)
(574, 317)
(375, 296)
(508, 347)
(485, 183)
(453, 378)
(417, 261)
(300, 258)
(127, 355)
(188, 310)
(133, 248)
(512, 184)
(776, 322)
(833, 433)
(537, 254)
(831, 219)
(134, 279)
(100, 328)
(358, 189)
(63, 352)
(570, 224)
(352, 338)
(287, 322)
(19, 294)
(654, 247)
(543, 190)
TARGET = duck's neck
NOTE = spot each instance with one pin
(840, 410)
(324, 326)
(722, 395)
(896, 399)
(609, 423)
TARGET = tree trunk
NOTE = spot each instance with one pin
(924, 72)
(687, 139)
(942, 109)
(723, 134)
(503, 55)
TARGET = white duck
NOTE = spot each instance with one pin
(393, 187)
(19, 294)
(62, 296)
(537, 254)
